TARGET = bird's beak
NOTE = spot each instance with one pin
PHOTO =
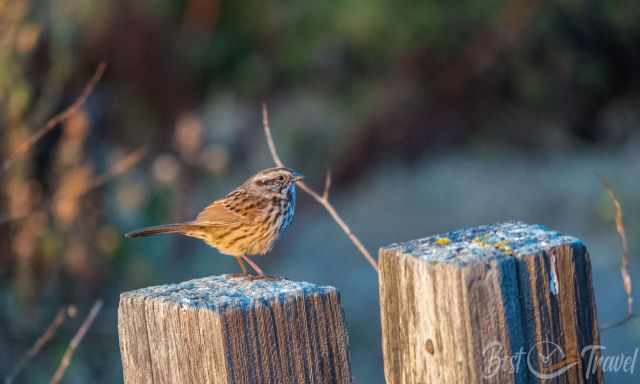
(297, 176)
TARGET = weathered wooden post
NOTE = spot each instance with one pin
(233, 330)
(510, 303)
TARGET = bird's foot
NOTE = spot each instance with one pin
(266, 277)
(253, 277)
(239, 275)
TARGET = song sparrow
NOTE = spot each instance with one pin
(245, 222)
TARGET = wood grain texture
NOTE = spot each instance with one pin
(233, 330)
(509, 303)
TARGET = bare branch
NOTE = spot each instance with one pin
(621, 322)
(50, 332)
(56, 120)
(327, 186)
(267, 132)
(336, 217)
(75, 342)
(117, 169)
(316, 196)
(624, 260)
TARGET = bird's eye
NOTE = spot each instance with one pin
(280, 178)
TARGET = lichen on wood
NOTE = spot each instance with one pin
(513, 287)
(223, 329)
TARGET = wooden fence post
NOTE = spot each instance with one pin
(508, 303)
(222, 329)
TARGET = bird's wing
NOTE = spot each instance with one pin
(229, 210)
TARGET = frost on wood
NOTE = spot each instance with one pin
(456, 304)
(222, 329)
(485, 243)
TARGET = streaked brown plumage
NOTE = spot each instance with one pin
(245, 222)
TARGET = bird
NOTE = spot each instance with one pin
(245, 222)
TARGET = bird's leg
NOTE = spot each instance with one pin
(241, 262)
(244, 273)
(260, 273)
(253, 265)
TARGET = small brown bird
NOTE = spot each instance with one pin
(245, 222)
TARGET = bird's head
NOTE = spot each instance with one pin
(278, 180)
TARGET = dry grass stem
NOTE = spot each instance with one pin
(57, 322)
(323, 199)
(75, 342)
(624, 260)
(53, 122)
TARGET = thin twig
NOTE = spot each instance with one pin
(122, 166)
(322, 200)
(624, 260)
(117, 169)
(615, 324)
(56, 120)
(267, 132)
(75, 341)
(327, 186)
(57, 322)
(329, 207)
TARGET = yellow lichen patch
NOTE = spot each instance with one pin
(504, 247)
(479, 241)
(443, 241)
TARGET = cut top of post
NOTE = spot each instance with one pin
(222, 293)
(481, 244)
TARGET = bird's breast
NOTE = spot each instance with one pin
(288, 209)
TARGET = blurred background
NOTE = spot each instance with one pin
(433, 115)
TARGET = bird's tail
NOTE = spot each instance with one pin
(155, 230)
